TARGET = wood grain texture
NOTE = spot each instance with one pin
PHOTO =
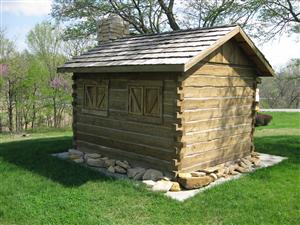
(206, 81)
(193, 103)
(212, 113)
(194, 92)
(224, 122)
(225, 153)
(220, 142)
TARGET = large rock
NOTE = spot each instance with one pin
(175, 187)
(79, 160)
(255, 161)
(198, 174)
(124, 164)
(241, 169)
(152, 174)
(184, 175)
(211, 169)
(92, 156)
(136, 173)
(149, 183)
(119, 169)
(195, 182)
(162, 185)
(243, 165)
(110, 162)
(96, 162)
(221, 172)
(232, 169)
(75, 154)
(214, 176)
(254, 154)
(111, 169)
(247, 162)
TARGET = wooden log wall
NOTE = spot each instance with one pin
(120, 135)
(216, 109)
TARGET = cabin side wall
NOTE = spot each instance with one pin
(217, 109)
(118, 134)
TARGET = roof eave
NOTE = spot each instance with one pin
(124, 68)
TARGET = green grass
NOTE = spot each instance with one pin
(283, 120)
(36, 188)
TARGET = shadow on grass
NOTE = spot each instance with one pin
(288, 146)
(34, 155)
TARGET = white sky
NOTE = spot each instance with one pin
(19, 16)
(26, 7)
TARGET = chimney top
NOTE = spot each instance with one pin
(112, 28)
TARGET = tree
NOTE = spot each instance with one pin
(76, 46)
(144, 16)
(282, 91)
(207, 13)
(8, 79)
(263, 18)
(45, 41)
(278, 16)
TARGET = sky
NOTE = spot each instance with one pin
(18, 17)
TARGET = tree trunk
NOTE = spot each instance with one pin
(10, 108)
(169, 13)
(1, 125)
(54, 112)
(33, 108)
(33, 116)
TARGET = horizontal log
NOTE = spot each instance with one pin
(205, 81)
(151, 129)
(200, 92)
(142, 149)
(210, 155)
(203, 146)
(215, 69)
(214, 103)
(213, 162)
(133, 158)
(207, 135)
(128, 136)
(165, 120)
(118, 105)
(119, 112)
(225, 122)
(202, 114)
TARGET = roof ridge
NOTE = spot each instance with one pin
(168, 32)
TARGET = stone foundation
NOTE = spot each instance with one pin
(157, 180)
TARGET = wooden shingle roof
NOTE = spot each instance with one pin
(173, 51)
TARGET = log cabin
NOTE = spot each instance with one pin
(177, 101)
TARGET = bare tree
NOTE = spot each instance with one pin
(168, 10)
(277, 16)
(144, 15)
(282, 91)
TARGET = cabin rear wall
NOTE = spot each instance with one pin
(217, 109)
(119, 135)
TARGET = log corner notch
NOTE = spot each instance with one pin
(74, 104)
(179, 132)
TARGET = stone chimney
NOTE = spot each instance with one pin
(112, 28)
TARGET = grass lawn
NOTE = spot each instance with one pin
(36, 188)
